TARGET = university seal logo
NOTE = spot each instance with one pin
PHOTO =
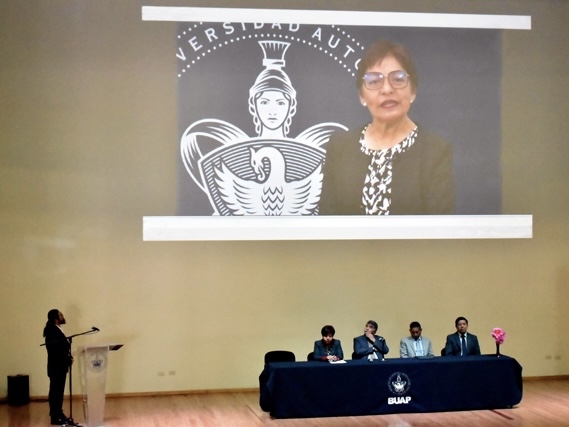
(270, 171)
(399, 383)
(97, 362)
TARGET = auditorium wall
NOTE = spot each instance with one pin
(89, 146)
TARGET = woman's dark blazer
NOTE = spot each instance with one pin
(422, 183)
(320, 350)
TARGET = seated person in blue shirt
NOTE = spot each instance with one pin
(369, 345)
(415, 345)
(462, 343)
(328, 349)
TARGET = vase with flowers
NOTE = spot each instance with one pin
(499, 336)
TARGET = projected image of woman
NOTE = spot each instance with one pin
(391, 166)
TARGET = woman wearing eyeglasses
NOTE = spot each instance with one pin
(391, 166)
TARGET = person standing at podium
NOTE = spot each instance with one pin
(58, 362)
(369, 345)
(462, 343)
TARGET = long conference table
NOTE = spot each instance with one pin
(360, 387)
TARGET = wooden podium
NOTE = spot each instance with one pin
(93, 362)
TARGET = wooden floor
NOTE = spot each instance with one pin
(545, 403)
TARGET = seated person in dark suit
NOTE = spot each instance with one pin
(369, 345)
(328, 349)
(461, 343)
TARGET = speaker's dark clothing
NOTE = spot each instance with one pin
(58, 362)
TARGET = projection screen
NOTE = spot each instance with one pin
(246, 175)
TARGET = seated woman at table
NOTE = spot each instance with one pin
(328, 349)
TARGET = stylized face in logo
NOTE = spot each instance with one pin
(272, 102)
(272, 108)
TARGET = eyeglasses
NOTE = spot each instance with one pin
(397, 79)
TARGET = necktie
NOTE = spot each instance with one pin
(463, 346)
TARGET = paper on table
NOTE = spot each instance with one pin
(337, 361)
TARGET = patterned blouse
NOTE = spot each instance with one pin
(376, 197)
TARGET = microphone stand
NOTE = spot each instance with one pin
(93, 330)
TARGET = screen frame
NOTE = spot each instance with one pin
(215, 228)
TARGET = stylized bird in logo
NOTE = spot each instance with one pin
(270, 194)
(399, 385)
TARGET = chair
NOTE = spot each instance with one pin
(310, 356)
(271, 356)
(443, 352)
(279, 356)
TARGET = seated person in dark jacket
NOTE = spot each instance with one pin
(328, 349)
(461, 343)
(369, 345)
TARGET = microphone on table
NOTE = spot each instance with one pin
(382, 355)
(94, 328)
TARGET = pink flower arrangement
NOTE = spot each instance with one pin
(499, 335)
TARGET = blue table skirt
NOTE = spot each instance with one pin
(359, 387)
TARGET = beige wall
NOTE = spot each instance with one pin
(88, 146)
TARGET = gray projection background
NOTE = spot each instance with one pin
(458, 97)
